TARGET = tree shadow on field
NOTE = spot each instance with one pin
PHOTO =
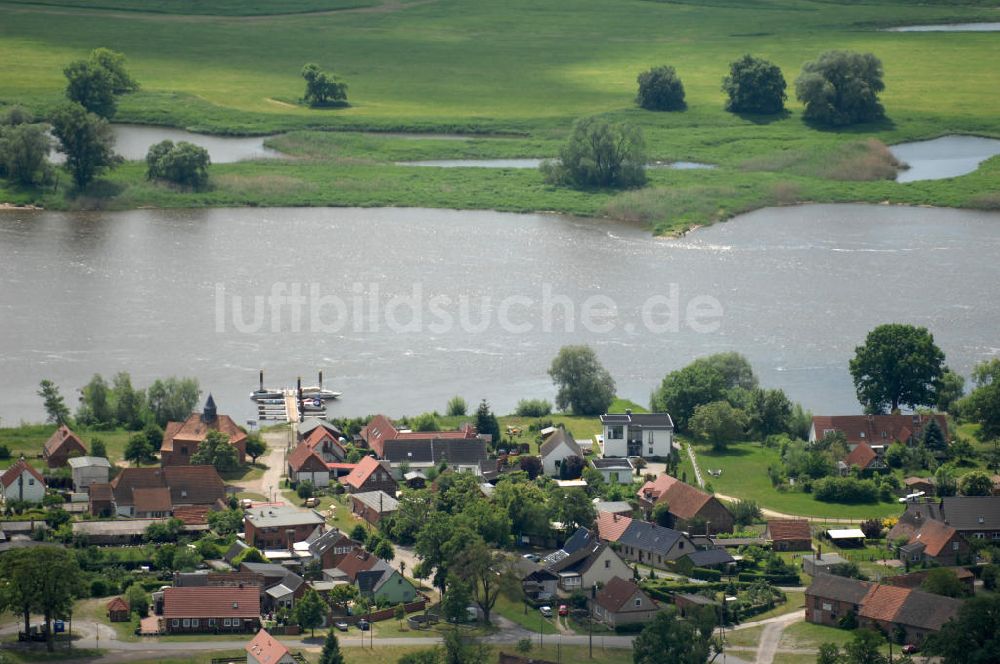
(705, 449)
(763, 119)
(98, 189)
(884, 123)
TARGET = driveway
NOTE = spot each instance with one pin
(269, 484)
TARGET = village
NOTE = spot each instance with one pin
(355, 528)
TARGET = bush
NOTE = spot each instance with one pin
(786, 579)
(754, 85)
(705, 574)
(184, 163)
(323, 88)
(533, 408)
(845, 490)
(841, 88)
(456, 407)
(600, 154)
(660, 89)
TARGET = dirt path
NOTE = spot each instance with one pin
(269, 484)
(694, 464)
(771, 636)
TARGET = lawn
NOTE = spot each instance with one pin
(744, 475)
(530, 620)
(524, 69)
(749, 637)
(810, 635)
(29, 439)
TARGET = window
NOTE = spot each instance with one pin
(862, 434)
(186, 622)
(175, 623)
(615, 433)
(31, 481)
(954, 546)
(607, 564)
(194, 622)
(827, 607)
(680, 545)
(211, 622)
(638, 601)
(226, 622)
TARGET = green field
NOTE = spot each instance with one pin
(523, 69)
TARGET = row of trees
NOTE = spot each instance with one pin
(104, 405)
(45, 580)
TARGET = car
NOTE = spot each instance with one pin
(546, 611)
(530, 556)
(563, 610)
(342, 626)
(910, 649)
(364, 625)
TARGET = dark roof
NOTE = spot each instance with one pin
(607, 464)
(649, 420)
(559, 437)
(367, 580)
(267, 570)
(527, 569)
(617, 592)
(458, 451)
(964, 513)
(838, 588)
(580, 538)
(320, 543)
(710, 557)
(650, 537)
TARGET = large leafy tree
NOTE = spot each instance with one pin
(172, 399)
(600, 153)
(138, 450)
(841, 88)
(487, 571)
(323, 88)
(660, 89)
(754, 85)
(983, 403)
(310, 611)
(584, 386)
(86, 140)
(768, 412)
(182, 163)
(718, 377)
(116, 65)
(216, 451)
(897, 365)
(718, 423)
(255, 446)
(972, 637)
(668, 640)
(129, 403)
(95, 404)
(92, 86)
(56, 409)
(976, 483)
(24, 151)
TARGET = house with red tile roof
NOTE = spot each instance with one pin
(875, 429)
(181, 439)
(354, 563)
(23, 483)
(140, 492)
(463, 448)
(370, 475)
(118, 610)
(935, 542)
(688, 506)
(305, 464)
(325, 443)
(61, 446)
(622, 602)
(865, 457)
(611, 526)
(211, 609)
(789, 534)
(916, 579)
(265, 649)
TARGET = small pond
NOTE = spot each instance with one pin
(944, 157)
(530, 163)
(948, 27)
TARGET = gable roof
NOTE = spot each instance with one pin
(934, 535)
(307, 426)
(461, 451)
(684, 500)
(266, 649)
(353, 563)
(927, 611)
(154, 499)
(883, 602)
(321, 435)
(357, 477)
(211, 602)
(870, 428)
(320, 544)
(17, 468)
(378, 501)
(65, 441)
(557, 439)
(617, 592)
(379, 429)
(782, 530)
(88, 462)
(117, 604)
(838, 588)
(100, 492)
(649, 536)
(964, 513)
(196, 427)
(610, 526)
(710, 557)
(861, 456)
(189, 485)
(305, 458)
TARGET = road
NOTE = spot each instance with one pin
(771, 636)
(269, 484)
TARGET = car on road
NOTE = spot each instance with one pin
(364, 625)
(910, 649)
(563, 610)
(546, 611)
(342, 626)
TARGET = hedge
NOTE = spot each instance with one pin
(790, 579)
(705, 574)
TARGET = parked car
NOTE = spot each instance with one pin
(342, 626)
(910, 649)
(563, 610)
(546, 611)
(530, 556)
(364, 625)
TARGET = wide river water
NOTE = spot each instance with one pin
(155, 292)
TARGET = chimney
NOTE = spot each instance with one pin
(321, 380)
(261, 380)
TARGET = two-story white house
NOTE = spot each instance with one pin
(559, 446)
(631, 434)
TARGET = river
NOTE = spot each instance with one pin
(155, 292)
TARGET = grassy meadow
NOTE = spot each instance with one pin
(513, 76)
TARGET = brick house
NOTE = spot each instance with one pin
(875, 429)
(181, 439)
(829, 599)
(61, 446)
(936, 542)
(373, 505)
(915, 579)
(914, 484)
(280, 527)
(211, 609)
(975, 517)
(149, 492)
(621, 602)
(789, 534)
(331, 547)
(370, 475)
(306, 465)
(688, 506)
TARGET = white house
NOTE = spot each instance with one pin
(559, 446)
(89, 470)
(617, 470)
(647, 435)
(22, 482)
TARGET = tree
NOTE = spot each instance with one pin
(971, 637)
(115, 64)
(945, 483)
(86, 140)
(425, 422)
(456, 600)
(706, 379)
(982, 406)
(872, 528)
(531, 465)
(358, 533)
(164, 531)
(718, 423)
(138, 450)
(950, 390)
(456, 407)
(459, 650)
(92, 87)
(129, 403)
(943, 581)
(571, 468)
(56, 409)
(897, 365)
(584, 386)
(98, 448)
(769, 412)
(138, 600)
(841, 88)
(754, 85)
(486, 422)
(24, 151)
(864, 648)
(95, 404)
(18, 583)
(746, 512)
(599, 153)
(342, 595)
(323, 88)
(933, 438)
(184, 163)
(226, 522)
(172, 399)
(59, 582)
(255, 446)
(216, 451)
(305, 489)
(310, 611)
(399, 613)
(661, 515)
(828, 653)
(331, 650)
(385, 551)
(250, 555)
(976, 483)
(660, 89)
(573, 508)
(668, 640)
